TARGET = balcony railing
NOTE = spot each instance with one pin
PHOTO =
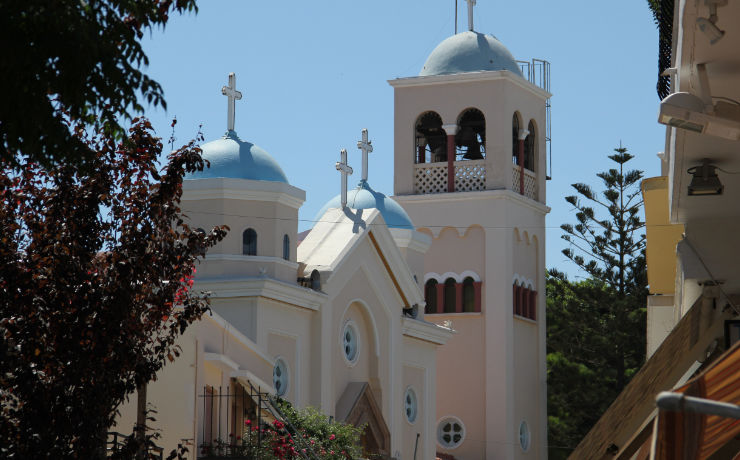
(530, 182)
(470, 175)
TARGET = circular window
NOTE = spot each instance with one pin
(524, 436)
(280, 377)
(450, 432)
(410, 405)
(350, 342)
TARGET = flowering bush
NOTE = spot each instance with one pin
(308, 432)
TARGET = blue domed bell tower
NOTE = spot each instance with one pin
(470, 153)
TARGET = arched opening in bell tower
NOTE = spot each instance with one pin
(530, 144)
(431, 140)
(470, 140)
(515, 127)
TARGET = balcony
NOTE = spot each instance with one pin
(530, 182)
(470, 176)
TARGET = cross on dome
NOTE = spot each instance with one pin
(471, 4)
(366, 146)
(345, 170)
(233, 95)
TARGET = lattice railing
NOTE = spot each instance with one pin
(530, 182)
(470, 175)
(430, 178)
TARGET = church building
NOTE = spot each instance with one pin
(420, 316)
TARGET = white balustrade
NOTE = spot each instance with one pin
(530, 182)
(430, 178)
(470, 175)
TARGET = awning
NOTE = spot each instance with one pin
(692, 435)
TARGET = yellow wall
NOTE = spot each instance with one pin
(662, 236)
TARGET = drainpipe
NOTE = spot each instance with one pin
(523, 133)
(451, 130)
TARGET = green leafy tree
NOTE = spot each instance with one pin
(596, 327)
(76, 58)
(95, 277)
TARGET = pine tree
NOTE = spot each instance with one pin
(596, 327)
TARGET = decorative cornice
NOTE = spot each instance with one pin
(223, 362)
(424, 330)
(243, 189)
(241, 338)
(480, 195)
(242, 258)
(483, 75)
(263, 287)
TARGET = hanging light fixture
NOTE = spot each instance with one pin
(709, 25)
(705, 180)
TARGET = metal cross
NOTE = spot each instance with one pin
(233, 95)
(366, 147)
(345, 170)
(471, 4)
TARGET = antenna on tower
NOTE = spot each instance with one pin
(455, 17)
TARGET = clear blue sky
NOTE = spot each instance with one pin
(313, 74)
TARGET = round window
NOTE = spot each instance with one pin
(450, 432)
(524, 436)
(280, 378)
(410, 405)
(350, 342)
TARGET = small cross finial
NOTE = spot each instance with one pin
(233, 95)
(345, 170)
(366, 146)
(471, 4)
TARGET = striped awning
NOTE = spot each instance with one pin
(696, 436)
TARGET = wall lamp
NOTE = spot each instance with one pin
(688, 111)
(709, 25)
(705, 180)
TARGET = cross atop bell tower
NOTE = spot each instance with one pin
(366, 146)
(233, 95)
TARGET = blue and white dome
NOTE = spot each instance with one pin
(233, 158)
(469, 51)
(364, 197)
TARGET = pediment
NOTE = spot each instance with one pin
(357, 406)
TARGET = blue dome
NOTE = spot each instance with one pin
(364, 197)
(233, 158)
(469, 52)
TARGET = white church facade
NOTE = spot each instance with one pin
(420, 315)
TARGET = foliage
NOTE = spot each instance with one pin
(95, 277)
(306, 433)
(596, 327)
(79, 58)
(585, 345)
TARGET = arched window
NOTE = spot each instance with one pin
(529, 146)
(468, 295)
(450, 295)
(431, 140)
(249, 242)
(470, 140)
(517, 306)
(515, 126)
(430, 295)
(286, 247)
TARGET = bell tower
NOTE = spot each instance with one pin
(470, 160)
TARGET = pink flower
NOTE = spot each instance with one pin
(331, 438)
(247, 422)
